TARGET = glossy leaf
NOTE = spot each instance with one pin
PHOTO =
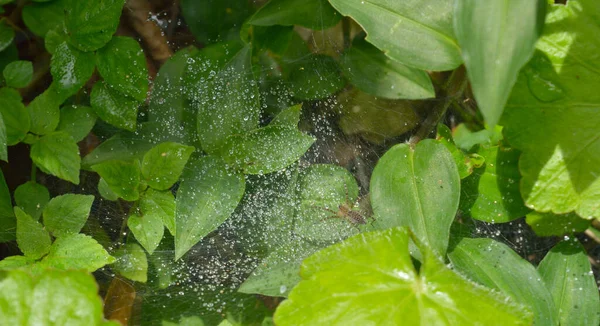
(15, 116)
(147, 229)
(122, 64)
(7, 34)
(416, 33)
(123, 178)
(114, 107)
(567, 273)
(71, 68)
(91, 24)
(549, 224)
(121, 146)
(67, 214)
(370, 279)
(18, 74)
(8, 223)
(132, 262)
(77, 252)
(163, 164)
(373, 72)
(77, 120)
(32, 197)
(495, 265)
(418, 188)
(42, 17)
(497, 38)
(160, 204)
(44, 110)
(207, 196)
(57, 154)
(315, 77)
(312, 14)
(33, 240)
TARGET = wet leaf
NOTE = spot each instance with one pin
(42, 17)
(32, 197)
(497, 38)
(370, 278)
(416, 33)
(114, 107)
(16, 262)
(315, 76)
(122, 177)
(163, 164)
(8, 223)
(67, 214)
(77, 252)
(44, 110)
(122, 146)
(160, 204)
(105, 191)
(207, 196)
(18, 74)
(418, 188)
(122, 64)
(373, 72)
(567, 273)
(549, 224)
(131, 262)
(147, 229)
(7, 34)
(77, 120)
(312, 14)
(495, 265)
(71, 68)
(33, 240)
(15, 116)
(91, 24)
(57, 153)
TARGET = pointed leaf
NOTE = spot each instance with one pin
(91, 24)
(147, 229)
(67, 214)
(77, 120)
(114, 107)
(161, 204)
(312, 14)
(315, 77)
(77, 251)
(71, 68)
(163, 164)
(123, 178)
(44, 110)
(15, 115)
(105, 191)
(132, 262)
(33, 240)
(8, 223)
(32, 197)
(57, 154)
(549, 224)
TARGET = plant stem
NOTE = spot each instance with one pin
(33, 172)
(346, 32)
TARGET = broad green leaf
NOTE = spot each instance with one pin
(275, 39)
(44, 110)
(122, 146)
(57, 154)
(114, 107)
(418, 188)
(91, 24)
(122, 64)
(67, 214)
(77, 120)
(466, 138)
(496, 37)
(549, 224)
(7, 34)
(77, 251)
(148, 230)
(18, 74)
(42, 17)
(8, 223)
(163, 164)
(491, 193)
(551, 115)
(3, 141)
(160, 204)
(312, 14)
(416, 33)
(228, 102)
(15, 116)
(495, 265)
(212, 20)
(131, 262)
(207, 196)
(105, 191)
(71, 68)
(373, 72)
(464, 162)
(51, 298)
(55, 37)
(370, 279)
(16, 262)
(32, 197)
(567, 273)
(122, 177)
(33, 240)
(7, 56)
(315, 76)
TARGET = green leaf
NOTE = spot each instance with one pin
(77, 121)
(132, 262)
(228, 102)
(416, 33)
(272, 38)
(91, 24)
(123, 178)
(55, 37)
(466, 138)
(28, 300)
(312, 14)
(268, 149)
(42, 17)
(71, 68)
(211, 21)
(16, 262)
(160, 204)
(418, 188)
(67, 214)
(105, 191)
(549, 224)
(7, 34)
(122, 64)
(163, 164)
(8, 223)
(551, 114)
(373, 72)
(7, 56)
(122, 146)
(148, 230)
(44, 110)
(3, 141)
(315, 76)
(495, 265)
(33, 240)
(207, 196)
(567, 273)
(32, 197)
(14, 113)
(57, 153)
(370, 279)
(491, 193)
(497, 37)
(18, 74)
(77, 251)
(114, 107)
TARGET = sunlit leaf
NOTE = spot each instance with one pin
(147, 229)
(33, 240)
(131, 262)
(77, 252)
(549, 224)
(161, 204)
(67, 214)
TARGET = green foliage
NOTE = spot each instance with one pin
(122, 177)
(15, 116)
(18, 74)
(313, 14)
(163, 164)
(32, 197)
(67, 214)
(91, 24)
(131, 262)
(33, 240)
(57, 154)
